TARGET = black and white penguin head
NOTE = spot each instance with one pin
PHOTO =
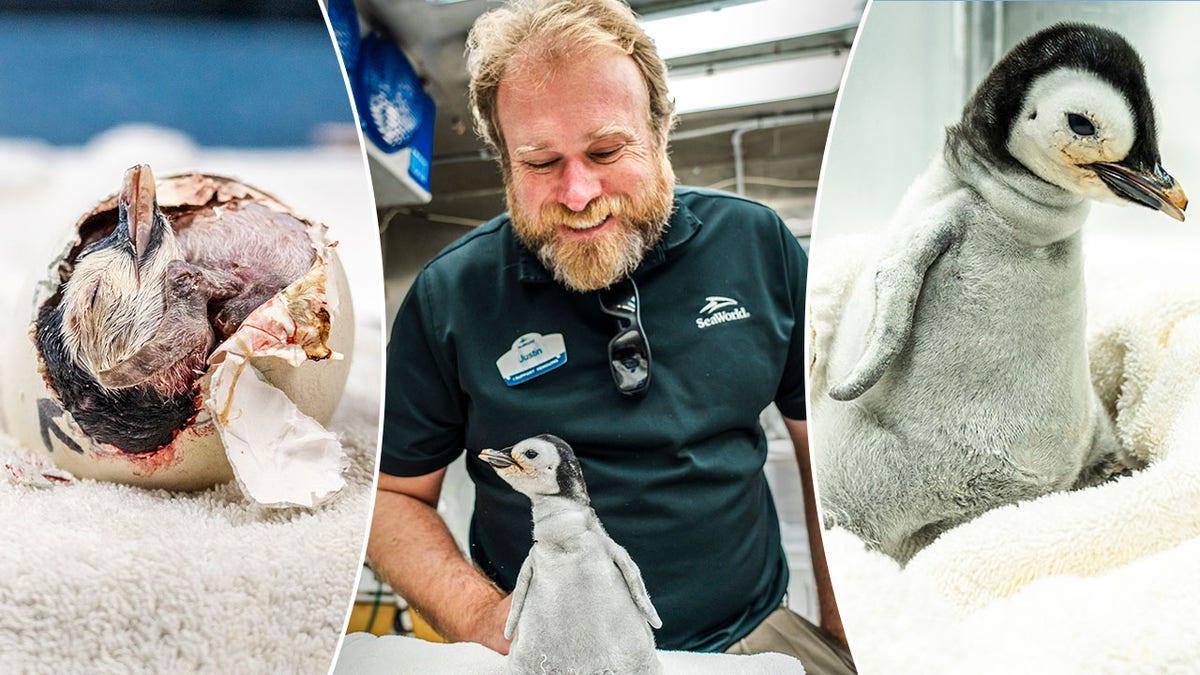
(1071, 105)
(114, 301)
(538, 467)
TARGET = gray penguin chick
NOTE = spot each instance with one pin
(579, 605)
(957, 378)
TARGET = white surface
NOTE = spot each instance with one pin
(366, 654)
(98, 577)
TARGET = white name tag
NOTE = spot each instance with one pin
(532, 354)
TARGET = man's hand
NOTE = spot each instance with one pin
(487, 628)
(412, 550)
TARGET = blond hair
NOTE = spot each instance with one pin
(549, 31)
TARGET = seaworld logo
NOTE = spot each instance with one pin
(714, 311)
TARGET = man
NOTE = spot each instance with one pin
(646, 326)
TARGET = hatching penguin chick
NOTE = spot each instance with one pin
(579, 605)
(959, 368)
(123, 347)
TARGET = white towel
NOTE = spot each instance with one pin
(100, 577)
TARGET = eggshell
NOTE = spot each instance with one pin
(196, 458)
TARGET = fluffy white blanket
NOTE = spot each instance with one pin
(99, 577)
(1102, 580)
(366, 654)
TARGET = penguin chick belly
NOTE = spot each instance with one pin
(579, 616)
(994, 380)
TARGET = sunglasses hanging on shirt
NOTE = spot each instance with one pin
(629, 350)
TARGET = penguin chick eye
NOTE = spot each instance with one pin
(1080, 124)
(531, 454)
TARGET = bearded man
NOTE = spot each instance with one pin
(542, 321)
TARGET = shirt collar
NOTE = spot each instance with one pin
(681, 227)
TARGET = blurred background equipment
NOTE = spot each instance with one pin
(73, 68)
(395, 113)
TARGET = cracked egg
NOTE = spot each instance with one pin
(194, 330)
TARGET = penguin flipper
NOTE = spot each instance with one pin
(633, 581)
(898, 283)
(518, 596)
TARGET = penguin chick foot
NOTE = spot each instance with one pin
(1117, 475)
(1105, 471)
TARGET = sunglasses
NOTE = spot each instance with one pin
(628, 351)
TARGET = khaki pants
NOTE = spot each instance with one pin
(787, 632)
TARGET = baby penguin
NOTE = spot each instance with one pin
(957, 379)
(145, 305)
(579, 605)
(134, 312)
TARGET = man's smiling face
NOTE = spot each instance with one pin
(589, 182)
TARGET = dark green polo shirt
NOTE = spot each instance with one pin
(676, 477)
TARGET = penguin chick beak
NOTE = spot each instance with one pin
(1154, 189)
(137, 210)
(500, 459)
